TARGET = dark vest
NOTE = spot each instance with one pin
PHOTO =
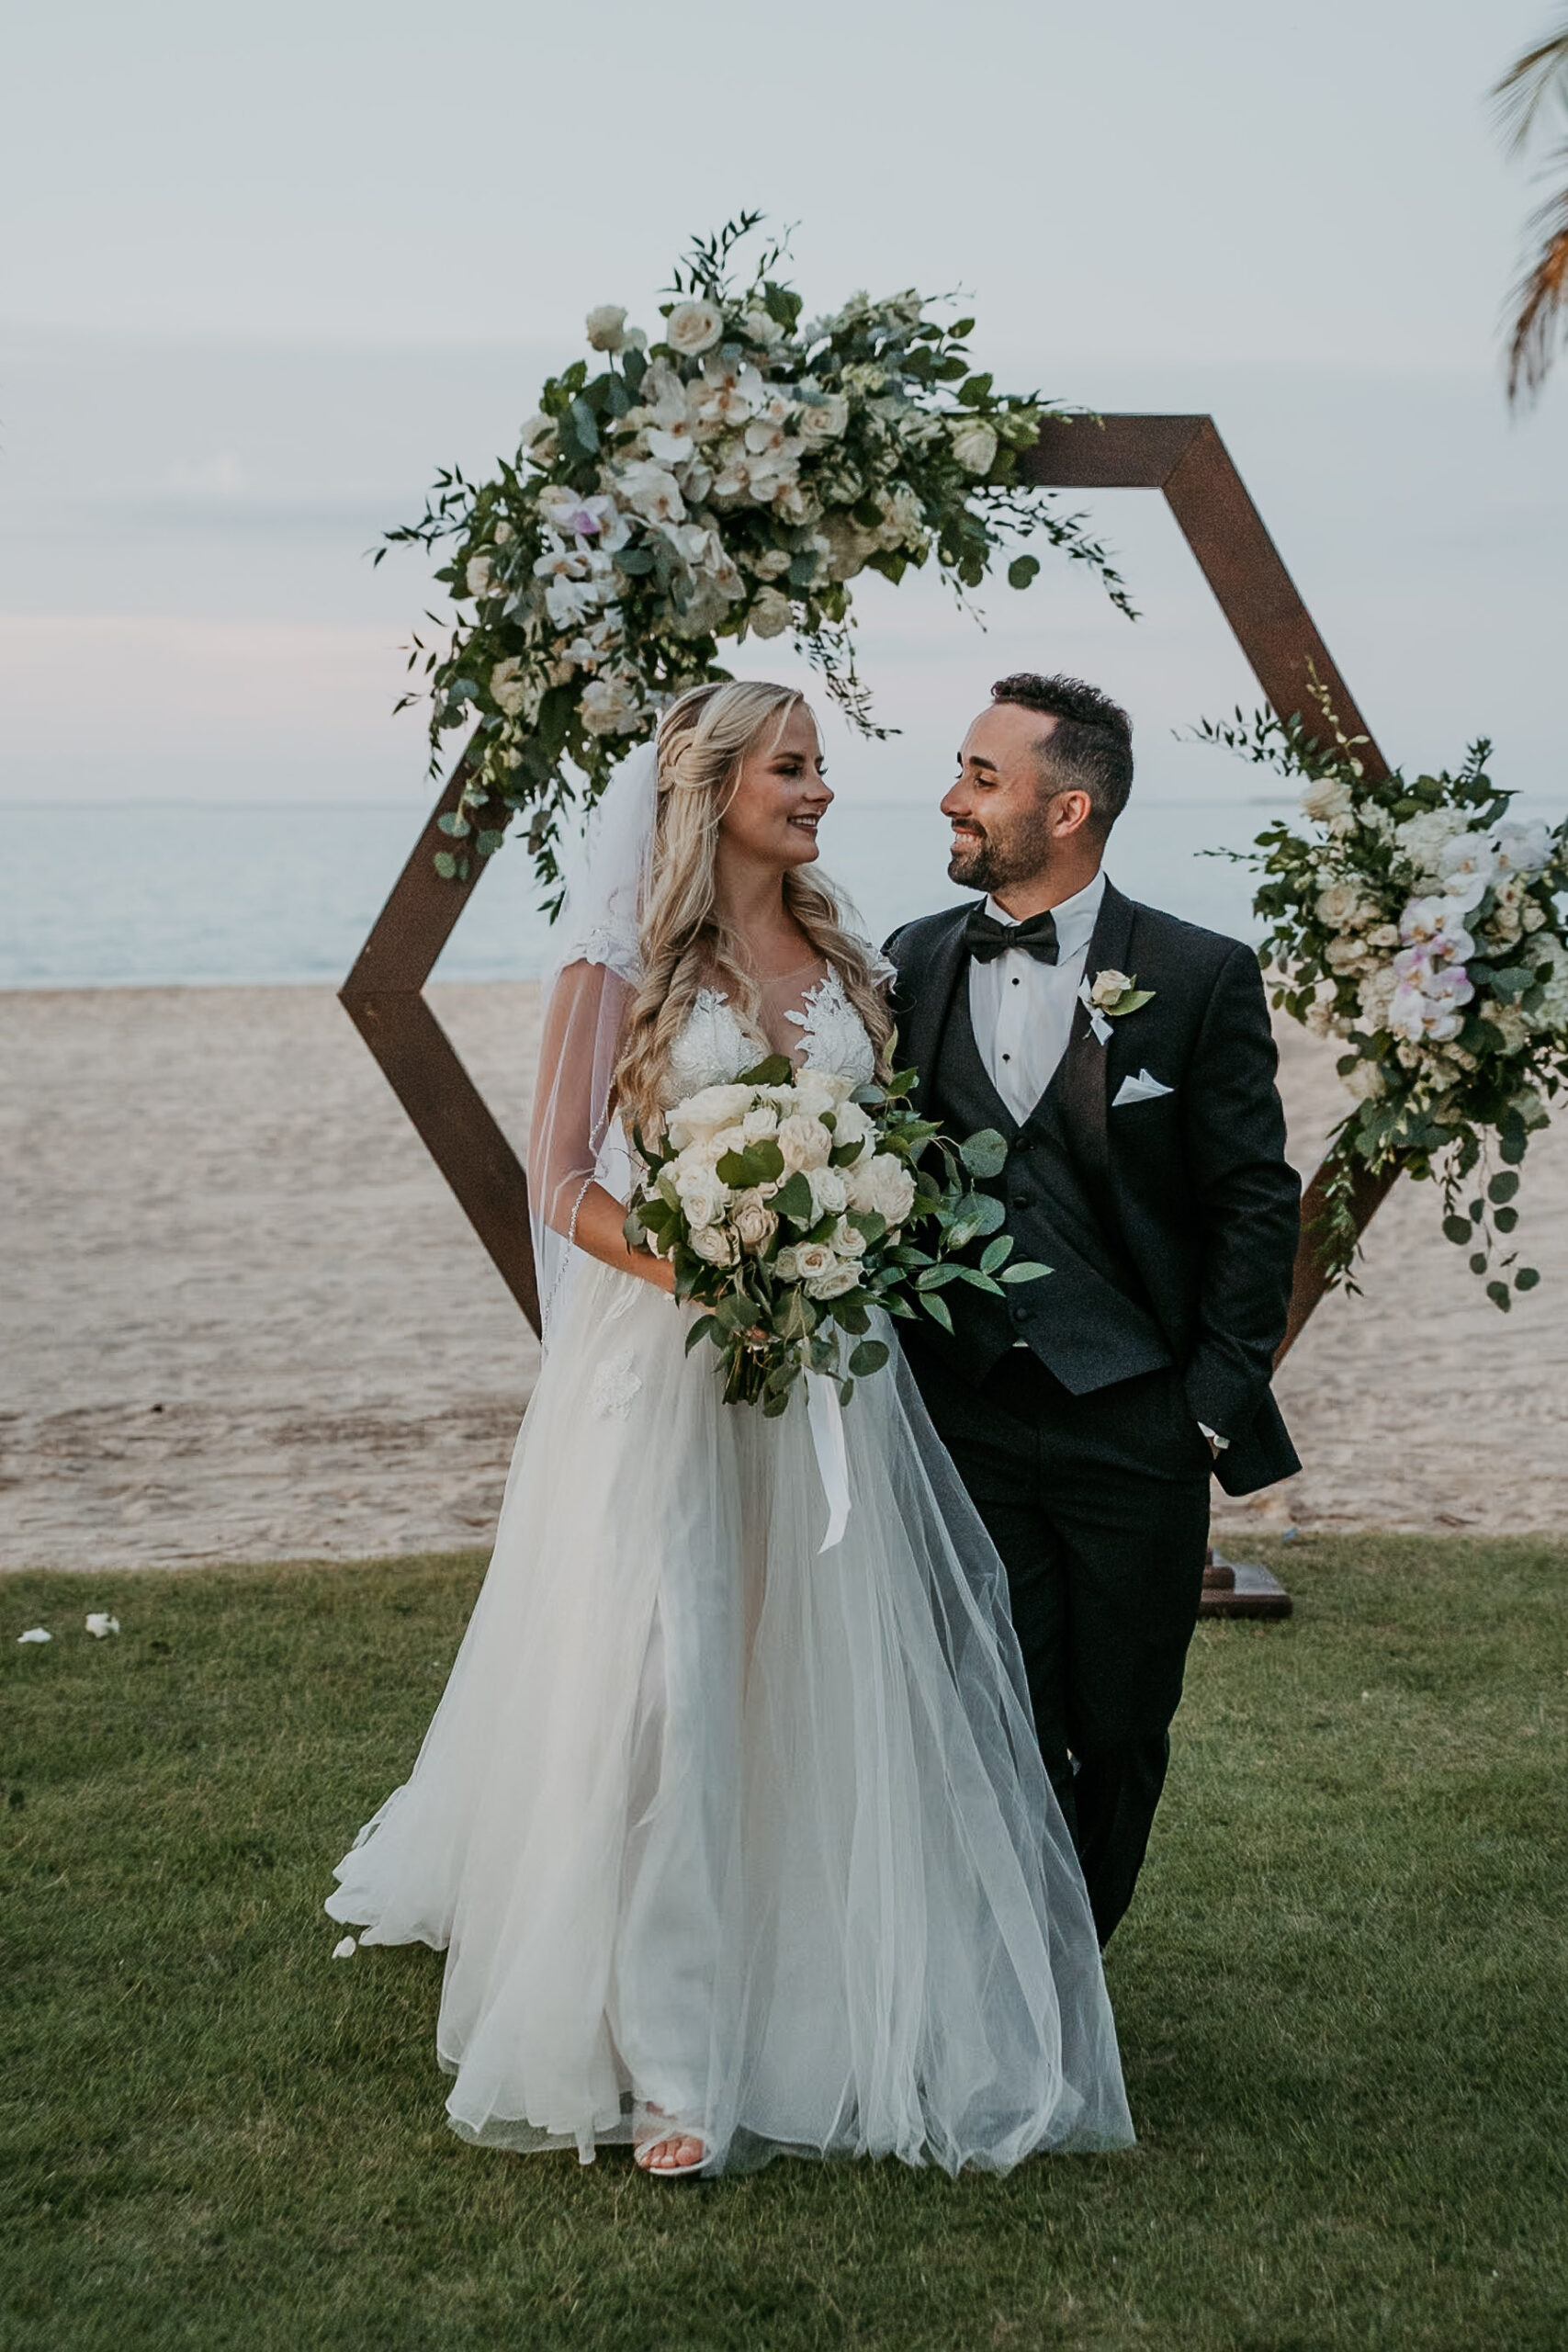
(1088, 1322)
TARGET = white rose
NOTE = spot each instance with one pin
(1338, 904)
(849, 1240)
(850, 1125)
(828, 1197)
(692, 327)
(771, 612)
(841, 1275)
(892, 1188)
(606, 327)
(803, 1261)
(610, 707)
(822, 1090)
(706, 1113)
(762, 1120)
(903, 520)
(881, 1186)
(847, 547)
(1515, 1029)
(714, 1244)
(1325, 800)
(974, 446)
(507, 689)
(754, 1223)
(477, 577)
(803, 1141)
(1108, 988)
(1376, 995)
(702, 1196)
(823, 420)
(1384, 934)
(538, 438)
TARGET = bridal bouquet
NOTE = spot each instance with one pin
(792, 1204)
(1417, 920)
(726, 476)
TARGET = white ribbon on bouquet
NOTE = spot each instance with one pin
(826, 1416)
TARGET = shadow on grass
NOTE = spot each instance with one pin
(1339, 1994)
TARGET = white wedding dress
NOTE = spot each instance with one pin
(714, 1823)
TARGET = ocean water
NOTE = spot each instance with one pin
(158, 894)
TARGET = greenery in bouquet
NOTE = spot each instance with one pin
(726, 478)
(792, 1206)
(1417, 920)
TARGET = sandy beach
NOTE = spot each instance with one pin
(242, 1317)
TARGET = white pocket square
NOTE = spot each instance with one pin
(1142, 1089)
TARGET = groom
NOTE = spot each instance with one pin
(1127, 1058)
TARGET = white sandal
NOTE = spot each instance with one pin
(642, 2153)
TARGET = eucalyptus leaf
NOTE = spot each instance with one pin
(1026, 1270)
(984, 1153)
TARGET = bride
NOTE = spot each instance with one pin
(736, 1844)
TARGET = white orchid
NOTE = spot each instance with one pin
(1522, 849)
(733, 391)
(652, 491)
(1466, 864)
(1436, 924)
(572, 515)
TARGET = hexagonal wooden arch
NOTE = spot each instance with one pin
(1183, 457)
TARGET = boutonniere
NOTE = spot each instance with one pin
(1107, 997)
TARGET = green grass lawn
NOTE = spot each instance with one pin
(1341, 1996)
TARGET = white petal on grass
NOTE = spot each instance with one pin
(35, 1633)
(346, 1949)
(99, 1623)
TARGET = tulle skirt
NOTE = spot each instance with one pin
(715, 1827)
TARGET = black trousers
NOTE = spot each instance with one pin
(1098, 1505)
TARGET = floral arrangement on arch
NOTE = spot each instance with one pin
(1420, 923)
(727, 479)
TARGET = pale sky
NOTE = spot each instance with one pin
(264, 272)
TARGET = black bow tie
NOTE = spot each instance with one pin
(984, 937)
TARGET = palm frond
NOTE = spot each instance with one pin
(1539, 302)
(1529, 83)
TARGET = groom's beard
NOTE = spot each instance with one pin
(994, 861)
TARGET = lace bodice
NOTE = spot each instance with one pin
(714, 1047)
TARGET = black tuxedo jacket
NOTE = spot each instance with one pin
(1195, 1183)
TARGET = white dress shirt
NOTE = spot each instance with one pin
(1022, 1009)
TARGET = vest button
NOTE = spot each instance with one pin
(1022, 1200)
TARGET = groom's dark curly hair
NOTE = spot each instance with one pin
(1090, 747)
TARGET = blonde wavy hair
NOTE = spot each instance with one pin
(704, 743)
